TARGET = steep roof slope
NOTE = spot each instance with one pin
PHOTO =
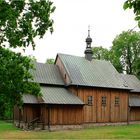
(132, 81)
(96, 73)
(47, 74)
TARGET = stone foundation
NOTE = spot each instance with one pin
(68, 127)
(63, 127)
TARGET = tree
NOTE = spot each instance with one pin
(137, 67)
(100, 53)
(115, 60)
(126, 51)
(20, 22)
(50, 61)
(15, 79)
(124, 54)
(135, 5)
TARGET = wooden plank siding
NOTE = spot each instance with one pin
(64, 114)
(28, 112)
(63, 71)
(135, 114)
(16, 113)
(135, 111)
(99, 113)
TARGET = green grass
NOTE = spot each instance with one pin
(8, 131)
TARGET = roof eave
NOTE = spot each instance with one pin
(97, 86)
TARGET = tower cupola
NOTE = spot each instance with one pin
(88, 51)
(88, 39)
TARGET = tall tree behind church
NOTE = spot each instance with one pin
(124, 53)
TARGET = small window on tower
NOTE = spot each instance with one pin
(90, 100)
(103, 100)
(117, 100)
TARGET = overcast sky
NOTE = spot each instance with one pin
(71, 19)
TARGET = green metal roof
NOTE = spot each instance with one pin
(96, 73)
(134, 101)
(53, 95)
(58, 95)
(47, 74)
(132, 81)
(29, 99)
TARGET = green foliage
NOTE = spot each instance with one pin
(126, 51)
(21, 21)
(50, 61)
(135, 5)
(100, 53)
(15, 79)
(115, 60)
(137, 67)
(124, 54)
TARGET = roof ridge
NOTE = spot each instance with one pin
(69, 55)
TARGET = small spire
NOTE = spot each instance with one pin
(88, 51)
(88, 30)
(88, 39)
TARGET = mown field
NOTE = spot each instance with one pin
(8, 131)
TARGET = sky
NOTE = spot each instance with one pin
(71, 20)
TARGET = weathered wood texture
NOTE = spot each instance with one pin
(135, 114)
(30, 112)
(27, 113)
(99, 113)
(63, 71)
(16, 113)
(64, 114)
(135, 111)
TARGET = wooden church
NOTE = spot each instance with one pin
(79, 92)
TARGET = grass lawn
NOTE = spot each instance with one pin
(8, 131)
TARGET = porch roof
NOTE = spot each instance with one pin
(53, 95)
(134, 101)
(28, 98)
(58, 95)
(132, 81)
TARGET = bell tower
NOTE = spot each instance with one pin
(88, 51)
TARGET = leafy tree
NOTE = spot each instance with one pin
(124, 54)
(50, 61)
(137, 67)
(126, 51)
(15, 79)
(20, 22)
(115, 60)
(100, 53)
(135, 5)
